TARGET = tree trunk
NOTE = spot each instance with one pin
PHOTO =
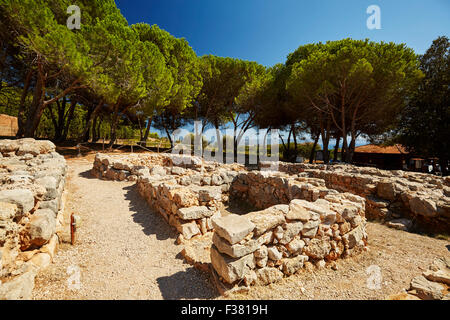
(295, 142)
(147, 131)
(21, 113)
(169, 137)
(71, 111)
(96, 129)
(89, 121)
(37, 107)
(114, 122)
(313, 150)
(336, 148)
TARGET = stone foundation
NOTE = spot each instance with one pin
(188, 196)
(32, 182)
(302, 221)
(404, 200)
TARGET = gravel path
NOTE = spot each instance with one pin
(123, 250)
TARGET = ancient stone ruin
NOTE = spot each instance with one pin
(295, 219)
(404, 200)
(31, 205)
(243, 226)
(300, 214)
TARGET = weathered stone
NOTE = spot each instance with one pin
(41, 228)
(427, 290)
(41, 260)
(267, 219)
(197, 212)
(262, 262)
(355, 236)
(51, 186)
(236, 250)
(268, 275)
(158, 170)
(297, 211)
(23, 198)
(207, 194)
(423, 206)
(231, 269)
(233, 228)
(185, 198)
(386, 190)
(400, 224)
(8, 211)
(20, 288)
(317, 248)
(261, 252)
(274, 254)
(250, 278)
(292, 230)
(310, 228)
(188, 229)
(442, 275)
(292, 265)
(296, 245)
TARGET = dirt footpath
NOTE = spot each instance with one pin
(123, 251)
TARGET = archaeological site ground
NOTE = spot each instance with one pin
(159, 225)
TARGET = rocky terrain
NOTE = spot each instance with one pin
(32, 179)
(241, 229)
(302, 219)
(404, 200)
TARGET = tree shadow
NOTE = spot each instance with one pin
(188, 284)
(151, 221)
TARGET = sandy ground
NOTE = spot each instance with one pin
(125, 251)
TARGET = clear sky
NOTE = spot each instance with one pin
(266, 31)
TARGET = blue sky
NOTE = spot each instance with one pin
(266, 31)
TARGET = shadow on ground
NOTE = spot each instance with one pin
(188, 284)
(151, 222)
(87, 174)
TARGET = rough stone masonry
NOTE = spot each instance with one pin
(32, 179)
(302, 220)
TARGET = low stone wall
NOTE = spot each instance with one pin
(188, 196)
(263, 189)
(302, 221)
(263, 246)
(32, 179)
(406, 200)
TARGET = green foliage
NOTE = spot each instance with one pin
(424, 124)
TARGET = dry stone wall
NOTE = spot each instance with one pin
(188, 195)
(301, 222)
(405, 200)
(32, 179)
(310, 225)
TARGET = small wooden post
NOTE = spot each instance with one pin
(73, 228)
